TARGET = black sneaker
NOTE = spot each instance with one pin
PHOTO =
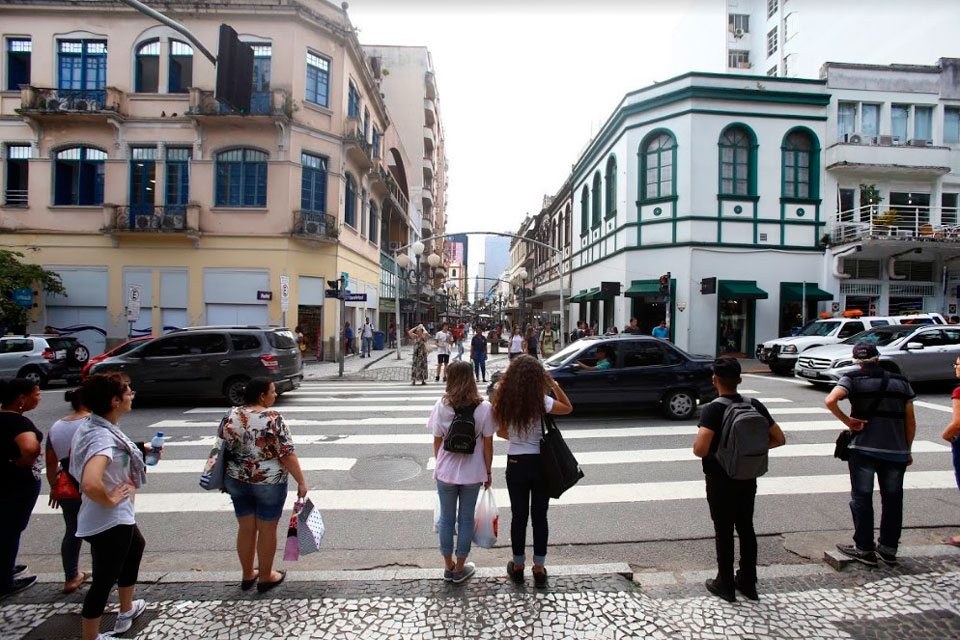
(868, 558)
(19, 570)
(887, 558)
(540, 578)
(715, 587)
(748, 590)
(19, 584)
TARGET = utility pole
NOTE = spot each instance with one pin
(343, 313)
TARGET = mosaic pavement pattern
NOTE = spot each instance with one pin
(920, 601)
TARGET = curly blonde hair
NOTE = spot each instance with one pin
(461, 388)
(518, 399)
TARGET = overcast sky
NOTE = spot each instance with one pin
(525, 84)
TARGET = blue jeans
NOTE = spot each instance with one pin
(480, 367)
(365, 346)
(449, 494)
(890, 477)
(459, 351)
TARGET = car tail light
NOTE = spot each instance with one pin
(270, 362)
(48, 354)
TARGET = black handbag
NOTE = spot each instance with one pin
(560, 468)
(841, 449)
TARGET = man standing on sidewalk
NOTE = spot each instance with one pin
(883, 426)
(348, 347)
(366, 338)
(731, 501)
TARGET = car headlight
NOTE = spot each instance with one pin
(840, 364)
(789, 348)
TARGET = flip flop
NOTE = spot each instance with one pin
(954, 541)
(72, 585)
(246, 585)
(263, 587)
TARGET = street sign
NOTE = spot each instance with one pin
(355, 297)
(284, 293)
(132, 309)
(264, 295)
(23, 297)
(330, 293)
(835, 306)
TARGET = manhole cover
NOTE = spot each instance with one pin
(385, 469)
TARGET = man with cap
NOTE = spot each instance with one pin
(883, 425)
(731, 501)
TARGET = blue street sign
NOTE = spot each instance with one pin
(355, 297)
(23, 297)
(329, 293)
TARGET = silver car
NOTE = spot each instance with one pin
(919, 352)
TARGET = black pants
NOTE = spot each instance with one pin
(16, 505)
(731, 507)
(116, 560)
(70, 545)
(528, 500)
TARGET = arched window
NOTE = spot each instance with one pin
(597, 199)
(658, 156)
(373, 226)
(737, 162)
(611, 185)
(148, 67)
(350, 201)
(78, 176)
(241, 178)
(566, 226)
(584, 210)
(180, 67)
(801, 157)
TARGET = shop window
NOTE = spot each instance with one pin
(78, 176)
(736, 321)
(318, 79)
(241, 178)
(658, 157)
(16, 184)
(18, 62)
(180, 67)
(148, 67)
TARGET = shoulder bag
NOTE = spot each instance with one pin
(215, 470)
(560, 468)
(841, 449)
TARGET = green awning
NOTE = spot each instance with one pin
(749, 290)
(578, 297)
(593, 294)
(794, 292)
(643, 288)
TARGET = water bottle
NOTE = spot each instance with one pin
(153, 456)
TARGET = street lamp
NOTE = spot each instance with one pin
(518, 281)
(417, 276)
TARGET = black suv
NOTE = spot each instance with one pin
(210, 362)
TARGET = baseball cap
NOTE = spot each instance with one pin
(726, 368)
(864, 351)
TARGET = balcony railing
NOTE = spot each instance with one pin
(148, 218)
(315, 225)
(275, 102)
(397, 196)
(885, 222)
(15, 198)
(44, 100)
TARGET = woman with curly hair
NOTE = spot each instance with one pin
(519, 404)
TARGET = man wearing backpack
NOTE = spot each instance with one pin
(734, 436)
(883, 429)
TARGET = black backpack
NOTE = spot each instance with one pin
(462, 435)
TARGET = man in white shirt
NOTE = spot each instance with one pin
(443, 339)
(366, 336)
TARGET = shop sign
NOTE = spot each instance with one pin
(264, 295)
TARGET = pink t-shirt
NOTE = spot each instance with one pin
(458, 468)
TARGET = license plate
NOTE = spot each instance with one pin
(60, 354)
(808, 374)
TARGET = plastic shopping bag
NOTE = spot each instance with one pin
(486, 520)
(291, 550)
(436, 513)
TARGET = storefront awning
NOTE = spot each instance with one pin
(794, 292)
(593, 294)
(643, 288)
(578, 297)
(746, 290)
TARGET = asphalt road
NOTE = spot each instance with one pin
(642, 484)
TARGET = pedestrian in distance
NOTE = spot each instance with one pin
(952, 435)
(731, 481)
(661, 331)
(883, 425)
(462, 465)
(443, 340)
(519, 403)
(366, 339)
(110, 468)
(259, 456)
(57, 454)
(20, 477)
(633, 327)
(612, 331)
(458, 334)
(301, 340)
(516, 346)
(548, 340)
(530, 346)
(392, 335)
(419, 369)
(348, 348)
(478, 353)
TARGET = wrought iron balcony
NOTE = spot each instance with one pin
(315, 225)
(43, 101)
(147, 218)
(276, 103)
(358, 149)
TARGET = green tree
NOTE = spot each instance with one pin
(16, 274)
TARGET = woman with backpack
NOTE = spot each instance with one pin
(462, 430)
(519, 404)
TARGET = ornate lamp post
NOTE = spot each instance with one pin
(417, 276)
(518, 281)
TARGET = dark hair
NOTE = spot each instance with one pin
(75, 398)
(605, 350)
(256, 388)
(99, 390)
(518, 398)
(12, 389)
(461, 390)
(727, 369)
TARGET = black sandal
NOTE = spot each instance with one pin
(263, 587)
(246, 585)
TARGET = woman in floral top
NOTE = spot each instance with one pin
(258, 450)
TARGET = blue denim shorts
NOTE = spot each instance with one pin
(265, 501)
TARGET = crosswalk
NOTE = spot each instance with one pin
(640, 469)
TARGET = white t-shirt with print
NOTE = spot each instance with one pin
(528, 443)
(443, 345)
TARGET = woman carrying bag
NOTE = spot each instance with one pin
(519, 404)
(463, 464)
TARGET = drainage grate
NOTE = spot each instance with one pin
(66, 626)
(385, 469)
(929, 625)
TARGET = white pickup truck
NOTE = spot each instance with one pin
(781, 354)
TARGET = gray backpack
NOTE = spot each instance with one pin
(744, 440)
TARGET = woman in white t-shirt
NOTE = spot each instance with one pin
(519, 405)
(516, 343)
(459, 476)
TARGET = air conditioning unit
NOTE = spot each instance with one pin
(146, 222)
(885, 141)
(312, 228)
(394, 246)
(919, 142)
(738, 33)
(744, 65)
(853, 138)
(174, 221)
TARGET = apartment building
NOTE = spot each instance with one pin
(551, 258)
(121, 170)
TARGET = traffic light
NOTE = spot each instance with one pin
(665, 284)
(234, 70)
(333, 285)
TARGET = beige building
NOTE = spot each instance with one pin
(120, 170)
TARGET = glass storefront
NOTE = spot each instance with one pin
(735, 321)
(904, 306)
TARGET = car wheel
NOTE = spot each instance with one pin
(780, 369)
(679, 405)
(79, 354)
(233, 390)
(35, 376)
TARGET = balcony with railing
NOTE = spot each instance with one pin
(276, 103)
(429, 139)
(397, 198)
(429, 112)
(431, 84)
(377, 176)
(314, 226)
(896, 222)
(428, 169)
(149, 219)
(89, 104)
(359, 150)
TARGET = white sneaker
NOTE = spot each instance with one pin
(105, 636)
(125, 618)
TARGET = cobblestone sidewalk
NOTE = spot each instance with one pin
(920, 600)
